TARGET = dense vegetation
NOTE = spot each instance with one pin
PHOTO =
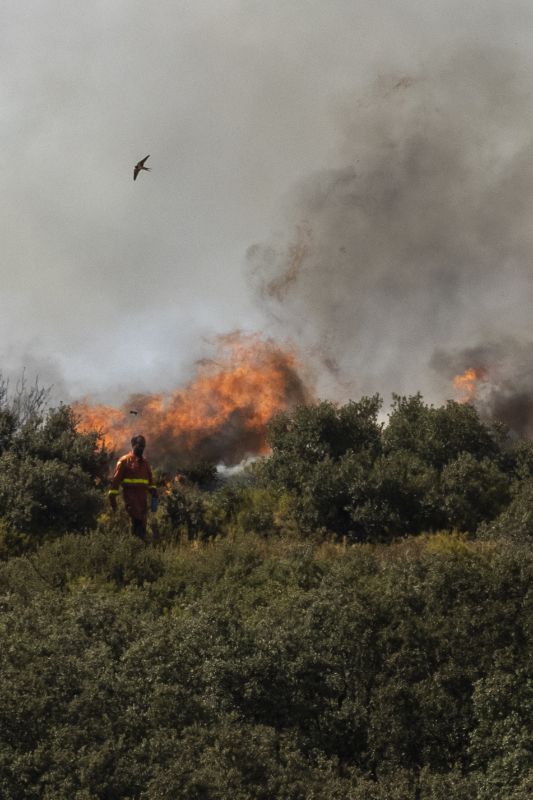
(51, 476)
(285, 635)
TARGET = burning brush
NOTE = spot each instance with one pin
(466, 384)
(500, 386)
(221, 416)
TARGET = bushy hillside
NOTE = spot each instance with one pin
(51, 475)
(261, 668)
(285, 634)
(333, 471)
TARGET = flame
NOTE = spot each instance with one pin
(466, 384)
(220, 416)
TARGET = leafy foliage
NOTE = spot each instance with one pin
(516, 521)
(50, 473)
(257, 648)
(427, 469)
(261, 668)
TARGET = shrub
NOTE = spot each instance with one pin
(50, 474)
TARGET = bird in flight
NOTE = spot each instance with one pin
(138, 167)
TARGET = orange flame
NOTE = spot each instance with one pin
(466, 384)
(220, 416)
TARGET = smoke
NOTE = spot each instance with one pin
(405, 152)
(422, 239)
(22, 370)
(387, 270)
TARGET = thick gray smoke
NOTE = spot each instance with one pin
(410, 232)
(422, 240)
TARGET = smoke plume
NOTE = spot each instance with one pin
(421, 240)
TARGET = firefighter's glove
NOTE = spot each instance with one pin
(154, 503)
(113, 502)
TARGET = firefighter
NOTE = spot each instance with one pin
(133, 473)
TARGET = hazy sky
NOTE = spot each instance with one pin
(245, 108)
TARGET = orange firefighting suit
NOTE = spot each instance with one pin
(135, 477)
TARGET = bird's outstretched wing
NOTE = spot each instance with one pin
(137, 168)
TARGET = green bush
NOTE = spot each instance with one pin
(515, 523)
(265, 667)
(40, 497)
(473, 491)
(50, 474)
(244, 652)
(427, 469)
